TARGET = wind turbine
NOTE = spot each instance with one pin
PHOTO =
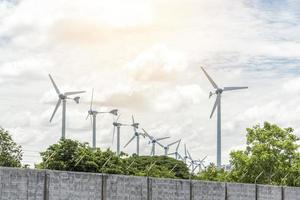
(218, 92)
(93, 115)
(167, 147)
(200, 163)
(62, 97)
(135, 135)
(176, 153)
(118, 125)
(154, 140)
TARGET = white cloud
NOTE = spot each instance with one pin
(144, 57)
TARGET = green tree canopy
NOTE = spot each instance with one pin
(70, 155)
(270, 150)
(10, 152)
(161, 166)
(212, 173)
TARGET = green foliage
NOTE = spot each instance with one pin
(10, 152)
(212, 173)
(72, 155)
(270, 150)
(161, 166)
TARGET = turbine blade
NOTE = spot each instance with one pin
(190, 157)
(160, 144)
(72, 93)
(215, 105)
(178, 145)
(173, 143)
(169, 154)
(185, 150)
(55, 109)
(87, 116)
(129, 141)
(234, 88)
(163, 138)
(203, 159)
(113, 137)
(210, 79)
(133, 123)
(147, 135)
(54, 85)
(118, 118)
(92, 98)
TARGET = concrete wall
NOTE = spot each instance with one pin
(208, 190)
(21, 184)
(169, 189)
(291, 193)
(266, 192)
(25, 184)
(238, 191)
(73, 185)
(119, 187)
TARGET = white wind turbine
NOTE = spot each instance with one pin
(62, 97)
(135, 135)
(93, 115)
(167, 147)
(176, 153)
(200, 163)
(153, 140)
(218, 92)
(118, 125)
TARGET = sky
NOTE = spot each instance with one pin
(145, 58)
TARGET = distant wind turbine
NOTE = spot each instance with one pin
(118, 125)
(93, 115)
(154, 140)
(62, 97)
(167, 147)
(135, 135)
(218, 92)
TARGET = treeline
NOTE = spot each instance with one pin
(271, 157)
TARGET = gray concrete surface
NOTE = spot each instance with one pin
(27, 184)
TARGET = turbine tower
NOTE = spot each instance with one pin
(118, 125)
(167, 147)
(62, 97)
(153, 140)
(218, 92)
(135, 135)
(93, 115)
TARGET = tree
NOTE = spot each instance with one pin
(162, 166)
(270, 150)
(10, 152)
(70, 155)
(212, 173)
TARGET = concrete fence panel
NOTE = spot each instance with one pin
(21, 184)
(171, 189)
(238, 191)
(205, 190)
(73, 186)
(266, 192)
(291, 193)
(117, 187)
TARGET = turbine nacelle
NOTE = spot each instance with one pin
(76, 99)
(114, 112)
